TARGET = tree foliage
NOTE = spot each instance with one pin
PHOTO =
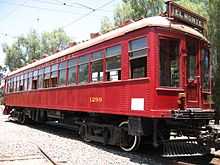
(198, 6)
(27, 48)
(54, 41)
(214, 35)
(133, 9)
(137, 9)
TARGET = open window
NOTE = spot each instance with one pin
(169, 62)
(54, 75)
(97, 66)
(40, 78)
(83, 69)
(138, 58)
(15, 83)
(30, 75)
(25, 81)
(34, 80)
(9, 86)
(11, 89)
(72, 71)
(46, 77)
(62, 73)
(21, 83)
(113, 63)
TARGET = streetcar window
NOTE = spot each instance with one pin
(62, 73)
(113, 63)
(40, 78)
(138, 59)
(83, 69)
(25, 81)
(30, 81)
(11, 87)
(54, 72)
(34, 80)
(21, 83)
(47, 73)
(205, 69)
(97, 66)
(191, 60)
(8, 85)
(46, 77)
(18, 80)
(169, 62)
(72, 71)
(15, 83)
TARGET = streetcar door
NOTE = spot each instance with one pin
(193, 76)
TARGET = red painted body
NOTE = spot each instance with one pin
(115, 97)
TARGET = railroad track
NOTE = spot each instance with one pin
(42, 156)
(38, 156)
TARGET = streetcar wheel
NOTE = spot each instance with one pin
(128, 143)
(21, 117)
(82, 133)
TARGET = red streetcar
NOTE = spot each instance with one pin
(142, 81)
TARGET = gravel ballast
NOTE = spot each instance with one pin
(64, 147)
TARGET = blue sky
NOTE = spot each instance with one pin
(18, 17)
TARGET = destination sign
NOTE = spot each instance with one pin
(184, 15)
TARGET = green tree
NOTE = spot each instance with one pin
(54, 41)
(14, 56)
(3, 70)
(123, 11)
(198, 6)
(32, 46)
(106, 25)
(137, 9)
(214, 34)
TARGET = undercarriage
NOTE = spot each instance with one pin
(188, 133)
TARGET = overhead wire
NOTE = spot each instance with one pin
(12, 11)
(70, 23)
(73, 4)
(87, 14)
(41, 8)
(61, 3)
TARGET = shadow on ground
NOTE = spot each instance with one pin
(146, 155)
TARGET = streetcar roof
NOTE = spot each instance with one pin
(156, 21)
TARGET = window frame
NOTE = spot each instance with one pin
(30, 79)
(64, 68)
(74, 65)
(205, 88)
(25, 81)
(40, 75)
(87, 63)
(146, 48)
(107, 57)
(94, 60)
(175, 38)
(54, 69)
